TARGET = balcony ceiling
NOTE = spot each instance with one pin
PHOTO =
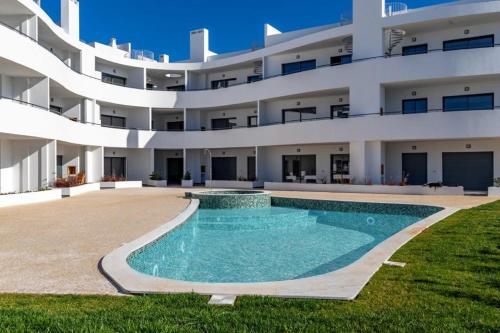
(13, 7)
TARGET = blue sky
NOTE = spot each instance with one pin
(163, 26)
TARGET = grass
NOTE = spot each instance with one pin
(451, 284)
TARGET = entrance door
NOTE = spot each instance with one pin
(251, 168)
(224, 168)
(175, 167)
(473, 171)
(415, 168)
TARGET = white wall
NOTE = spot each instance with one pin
(271, 111)
(73, 156)
(161, 118)
(136, 77)
(25, 165)
(135, 118)
(434, 150)
(321, 55)
(161, 157)
(435, 93)
(436, 37)
(139, 162)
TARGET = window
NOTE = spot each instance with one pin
(113, 79)
(175, 126)
(223, 123)
(216, 84)
(115, 166)
(299, 168)
(468, 102)
(113, 121)
(469, 43)
(418, 105)
(177, 88)
(415, 49)
(252, 121)
(341, 60)
(339, 111)
(59, 166)
(296, 67)
(254, 78)
(56, 109)
(298, 114)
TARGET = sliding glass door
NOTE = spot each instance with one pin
(115, 167)
(299, 168)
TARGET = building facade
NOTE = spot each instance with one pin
(392, 96)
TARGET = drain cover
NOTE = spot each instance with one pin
(222, 300)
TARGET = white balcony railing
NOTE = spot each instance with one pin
(395, 8)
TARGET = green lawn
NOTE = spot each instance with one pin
(451, 284)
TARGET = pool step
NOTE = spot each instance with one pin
(256, 223)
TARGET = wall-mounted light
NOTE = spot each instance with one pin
(114, 111)
(255, 111)
(341, 149)
(414, 93)
(466, 31)
(414, 39)
(468, 146)
(298, 150)
(298, 103)
(297, 56)
(114, 153)
(223, 153)
(341, 100)
(223, 75)
(341, 50)
(413, 147)
(223, 114)
(467, 89)
(114, 70)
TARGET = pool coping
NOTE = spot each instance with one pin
(343, 284)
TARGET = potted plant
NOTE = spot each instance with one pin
(156, 180)
(187, 180)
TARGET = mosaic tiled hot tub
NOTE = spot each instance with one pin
(233, 199)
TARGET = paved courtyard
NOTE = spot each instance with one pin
(56, 247)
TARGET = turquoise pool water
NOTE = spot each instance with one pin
(265, 244)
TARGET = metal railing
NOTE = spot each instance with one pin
(143, 55)
(395, 8)
(354, 61)
(267, 124)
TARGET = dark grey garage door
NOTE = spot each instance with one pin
(224, 168)
(415, 168)
(473, 171)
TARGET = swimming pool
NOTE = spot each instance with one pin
(292, 239)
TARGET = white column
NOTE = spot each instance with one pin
(258, 113)
(257, 162)
(184, 162)
(48, 164)
(368, 37)
(367, 159)
(94, 163)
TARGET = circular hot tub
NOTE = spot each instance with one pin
(233, 199)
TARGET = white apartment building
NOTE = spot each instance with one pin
(395, 95)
